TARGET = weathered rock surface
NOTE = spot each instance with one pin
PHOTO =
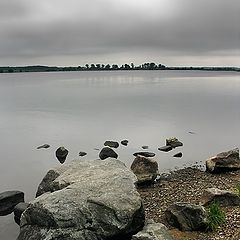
(112, 144)
(107, 152)
(224, 162)
(145, 169)
(124, 142)
(178, 155)
(224, 198)
(144, 154)
(186, 217)
(81, 154)
(61, 154)
(18, 210)
(165, 148)
(84, 200)
(44, 146)
(8, 200)
(153, 231)
(173, 142)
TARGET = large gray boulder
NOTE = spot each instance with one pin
(84, 200)
(186, 216)
(145, 169)
(224, 162)
(223, 197)
(153, 231)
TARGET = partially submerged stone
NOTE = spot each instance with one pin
(107, 152)
(153, 231)
(186, 216)
(224, 162)
(8, 200)
(145, 169)
(144, 154)
(82, 154)
(173, 142)
(124, 142)
(178, 155)
(223, 197)
(85, 200)
(18, 210)
(61, 154)
(43, 146)
(165, 148)
(112, 144)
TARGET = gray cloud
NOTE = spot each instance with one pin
(73, 32)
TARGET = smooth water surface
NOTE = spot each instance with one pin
(80, 110)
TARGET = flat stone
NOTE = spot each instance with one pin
(8, 200)
(173, 142)
(144, 147)
(178, 155)
(81, 154)
(107, 152)
(44, 146)
(165, 148)
(124, 142)
(144, 154)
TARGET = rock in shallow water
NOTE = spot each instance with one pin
(85, 200)
(124, 142)
(144, 154)
(18, 210)
(82, 154)
(178, 155)
(165, 148)
(107, 152)
(44, 146)
(8, 200)
(173, 142)
(61, 154)
(224, 162)
(112, 144)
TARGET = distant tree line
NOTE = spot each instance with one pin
(108, 67)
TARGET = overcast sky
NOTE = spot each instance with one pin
(75, 32)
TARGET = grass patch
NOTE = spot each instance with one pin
(238, 190)
(216, 217)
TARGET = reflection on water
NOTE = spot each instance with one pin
(80, 110)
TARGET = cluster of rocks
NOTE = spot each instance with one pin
(172, 143)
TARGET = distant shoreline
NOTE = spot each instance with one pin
(114, 67)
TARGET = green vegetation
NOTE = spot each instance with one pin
(216, 217)
(238, 190)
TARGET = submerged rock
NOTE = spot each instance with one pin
(224, 162)
(87, 200)
(61, 154)
(107, 152)
(186, 216)
(124, 142)
(165, 148)
(112, 144)
(145, 147)
(145, 169)
(81, 154)
(8, 200)
(144, 154)
(44, 146)
(178, 155)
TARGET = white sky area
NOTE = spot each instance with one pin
(76, 32)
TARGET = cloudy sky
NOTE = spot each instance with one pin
(75, 32)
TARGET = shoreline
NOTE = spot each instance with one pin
(188, 185)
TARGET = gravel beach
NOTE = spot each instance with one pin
(188, 185)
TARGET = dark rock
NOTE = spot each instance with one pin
(178, 155)
(224, 162)
(87, 200)
(81, 154)
(145, 169)
(144, 154)
(173, 142)
(61, 154)
(165, 148)
(153, 231)
(8, 200)
(144, 147)
(124, 142)
(18, 210)
(111, 144)
(186, 217)
(107, 152)
(224, 198)
(44, 146)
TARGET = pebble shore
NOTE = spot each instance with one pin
(188, 185)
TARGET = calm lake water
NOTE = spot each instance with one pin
(80, 110)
